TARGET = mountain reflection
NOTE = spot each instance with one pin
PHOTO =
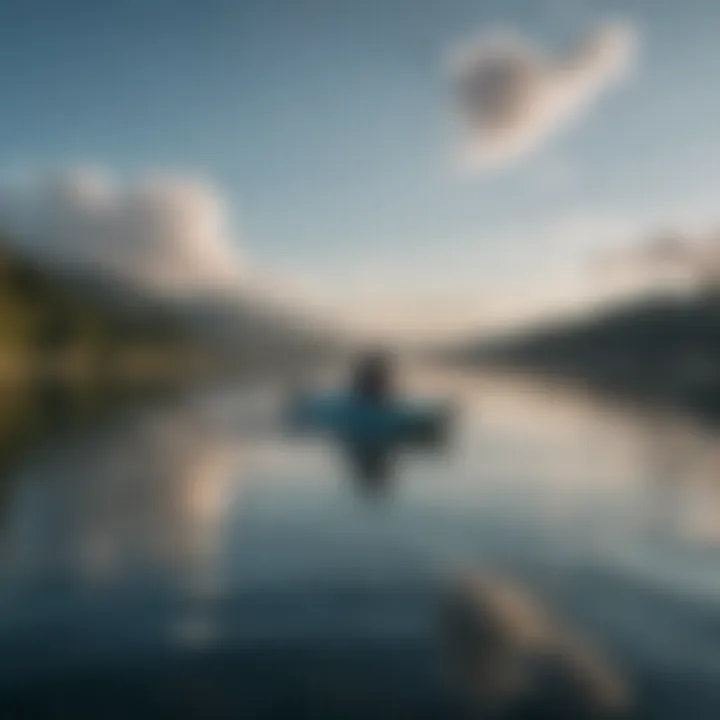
(195, 543)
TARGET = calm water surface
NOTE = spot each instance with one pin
(193, 560)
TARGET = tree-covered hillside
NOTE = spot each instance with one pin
(55, 323)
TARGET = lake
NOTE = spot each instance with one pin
(192, 559)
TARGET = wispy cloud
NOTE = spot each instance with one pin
(511, 96)
(671, 257)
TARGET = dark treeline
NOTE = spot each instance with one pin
(57, 326)
(663, 348)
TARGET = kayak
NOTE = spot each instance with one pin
(356, 418)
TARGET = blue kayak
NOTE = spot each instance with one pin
(353, 417)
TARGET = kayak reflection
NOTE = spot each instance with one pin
(372, 466)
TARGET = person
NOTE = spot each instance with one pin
(372, 377)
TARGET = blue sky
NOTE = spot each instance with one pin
(326, 124)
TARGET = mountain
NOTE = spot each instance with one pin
(661, 348)
(73, 315)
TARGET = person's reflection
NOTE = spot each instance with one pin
(372, 467)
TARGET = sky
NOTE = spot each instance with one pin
(421, 166)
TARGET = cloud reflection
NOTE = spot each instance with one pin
(146, 499)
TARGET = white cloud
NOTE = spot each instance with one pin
(510, 96)
(166, 233)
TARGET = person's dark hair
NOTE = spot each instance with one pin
(372, 377)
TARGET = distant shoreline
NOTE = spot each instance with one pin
(663, 351)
